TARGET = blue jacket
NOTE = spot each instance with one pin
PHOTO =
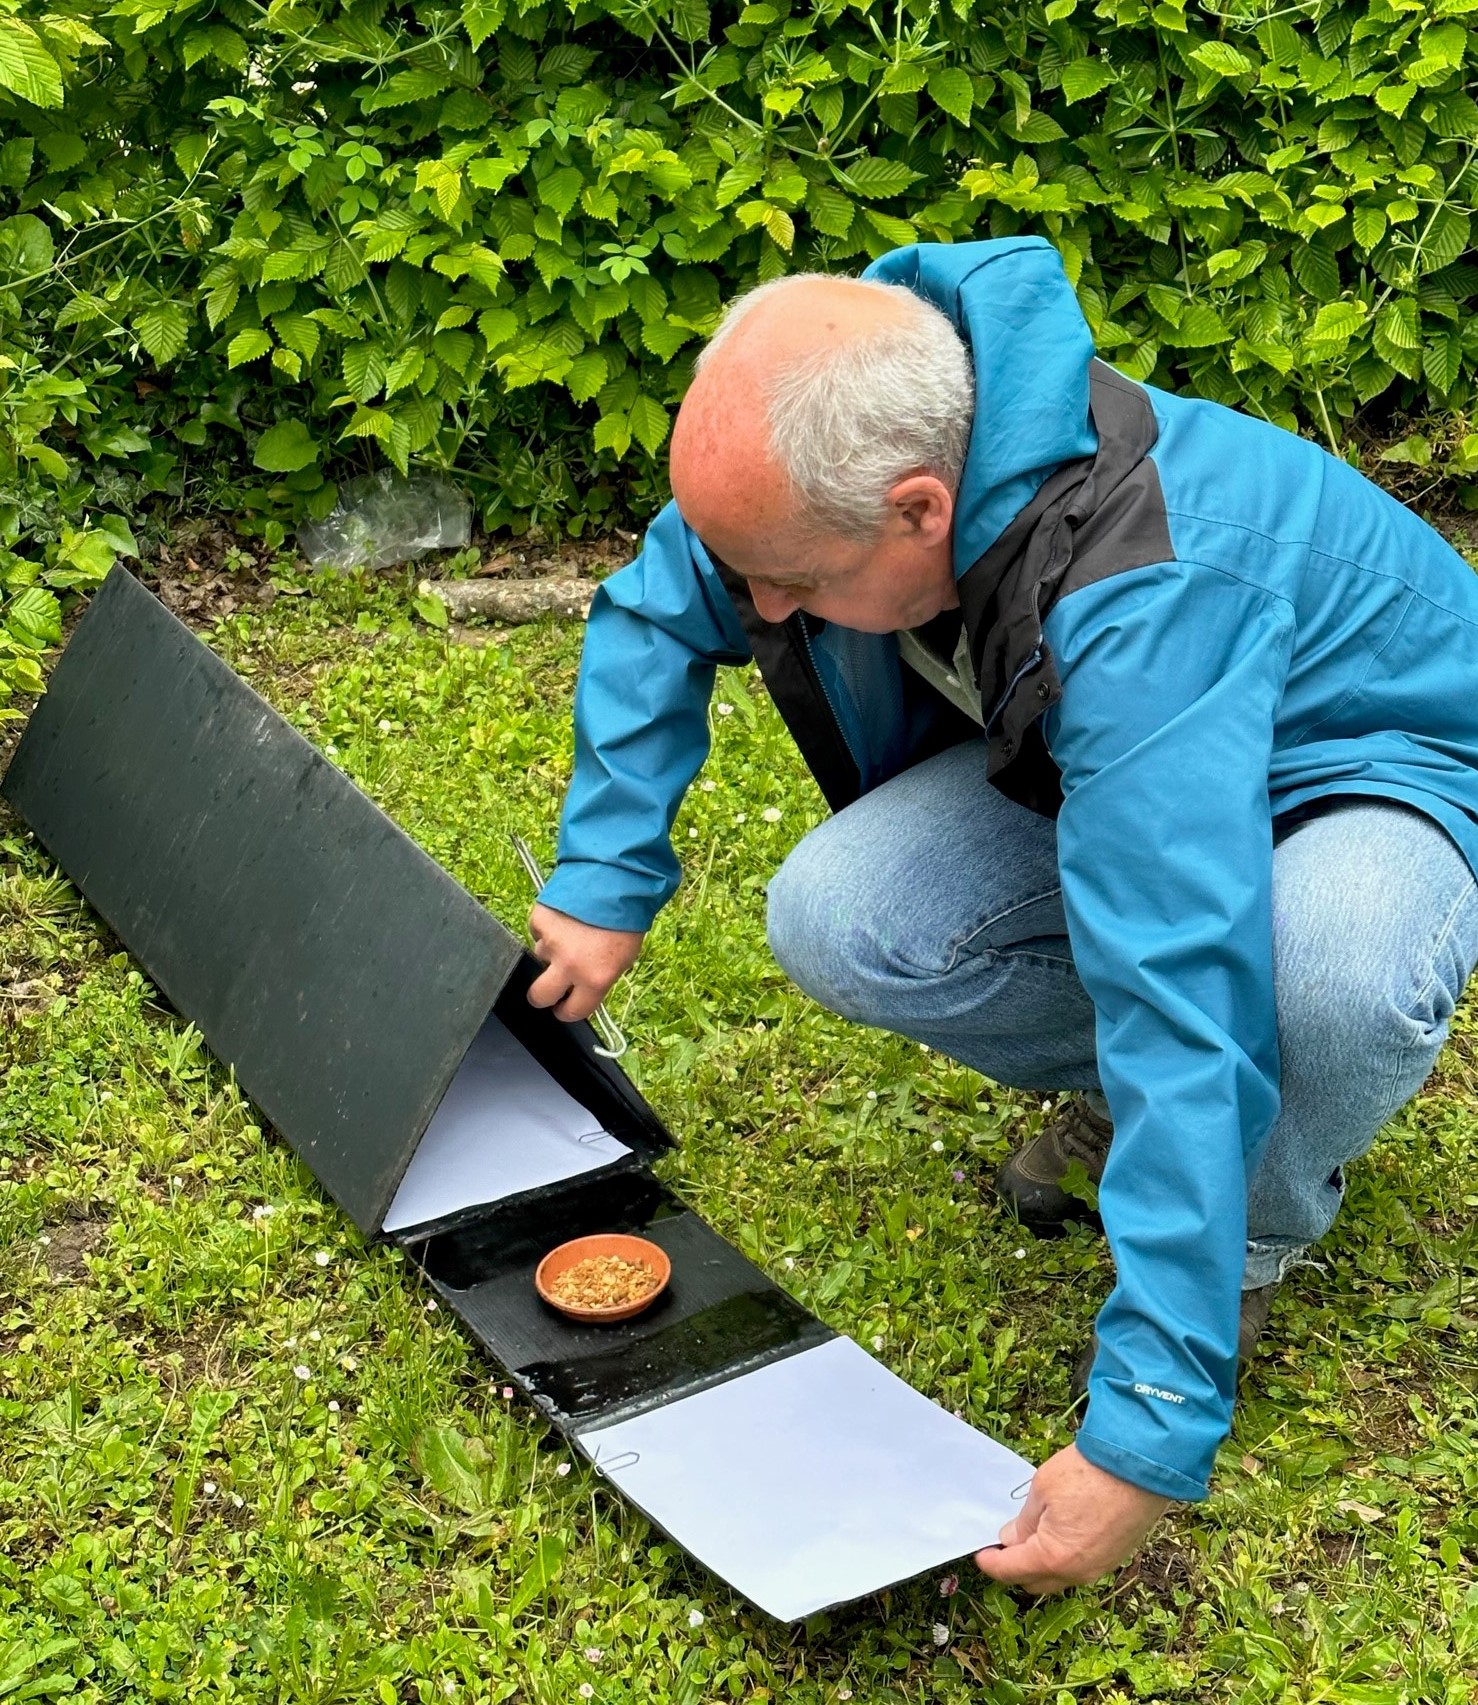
(1297, 634)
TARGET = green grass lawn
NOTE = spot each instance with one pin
(243, 1456)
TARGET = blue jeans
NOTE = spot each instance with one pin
(931, 908)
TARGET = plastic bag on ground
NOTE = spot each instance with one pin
(381, 519)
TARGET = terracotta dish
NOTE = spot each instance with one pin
(567, 1255)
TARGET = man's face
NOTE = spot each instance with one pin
(902, 579)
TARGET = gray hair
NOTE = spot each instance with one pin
(848, 422)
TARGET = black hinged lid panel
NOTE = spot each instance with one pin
(339, 969)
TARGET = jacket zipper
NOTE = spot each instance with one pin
(800, 617)
(1005, 698)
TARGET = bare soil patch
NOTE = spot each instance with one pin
(71, 1243)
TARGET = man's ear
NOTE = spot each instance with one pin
(926, 507)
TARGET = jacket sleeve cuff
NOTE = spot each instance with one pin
(1139, 1470)
(604, 895)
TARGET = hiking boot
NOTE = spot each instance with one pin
(1255, 1307)
(1031, 1182)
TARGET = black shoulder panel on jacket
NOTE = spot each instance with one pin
(1091, 519)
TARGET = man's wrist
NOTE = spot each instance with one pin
(1135, 1469)
(602, 895)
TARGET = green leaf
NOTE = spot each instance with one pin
(162, 329)
(779, 226)
(1040, 127)
(1397, 324)
(649, 423)
(613, 432)
(952, 91)
(1200, 326)
(560, 189)
(344, 268)
(588, 372)
(404, 370)
(1396, 336)
(298, 332)
(1077, 1182)
(190, 151)
(404, 89)
(497, 326)
(691, 19)
(1337, 322)
(207, 1410)
(828, 106)
(830, 211)
(286, 447)
(51, 462)
(420, 419)
(249, 345)
(26, 247)
(16, 156)
(1445, 238)
(899, 232)
(34, 618)
(664, 339)
(549, 1556)
(877, 178)
(84, 556)
(364, 369)
(490, 174)
(455, 348)
(1442, 361)
(1223, 60)
(1444, 43)
(26, 68)
(480, 18)
(1415, 451)
(1370, 226)
(433, 612)
(738, 180)
(565, 63)
(386, 236)
(1395, 97)
(1317, 269)
(904, 77)
(1455, 114)
(370, 423)
(1084, 78)
(216, 42)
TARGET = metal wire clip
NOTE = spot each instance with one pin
(615, 1044)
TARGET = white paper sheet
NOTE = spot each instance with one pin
(815, 1480)
(503, 1127)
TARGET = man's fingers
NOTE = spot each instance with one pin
(1024, 1565)
(570, 998)
(1027, 1519)
(550, 987)
(579, 1003)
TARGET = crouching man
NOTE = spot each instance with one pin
(1151, 735)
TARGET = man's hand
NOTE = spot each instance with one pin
(582, 962)
(1078, 1523)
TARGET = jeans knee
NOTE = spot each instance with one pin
(1355, 1022)
(831, 936)
(1375, 934)
(804, 930)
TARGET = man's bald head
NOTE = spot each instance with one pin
(814, 398)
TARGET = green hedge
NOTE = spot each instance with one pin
(245, 247)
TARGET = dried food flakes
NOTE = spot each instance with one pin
(602, 1281)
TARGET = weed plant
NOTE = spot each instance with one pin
(245, 1457)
